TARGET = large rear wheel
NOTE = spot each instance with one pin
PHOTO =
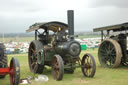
(34, 48)
(110, 53)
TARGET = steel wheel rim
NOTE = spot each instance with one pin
(109, 53)
(105, 51)
(88, 66)
(57, 67)
(12, 73)
(32, 58)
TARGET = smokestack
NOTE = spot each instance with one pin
(70, 15)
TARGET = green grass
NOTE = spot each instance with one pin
(28, 39)
(16, 39)
(103, 76)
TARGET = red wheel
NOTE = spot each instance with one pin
(14, 72)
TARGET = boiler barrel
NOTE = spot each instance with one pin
(70, 48)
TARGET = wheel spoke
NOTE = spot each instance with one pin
(109, 47)
(86, 71)
(103, 51)
(112, 49)
(56, 74)
(33, 59)
(33, 64)
(106, 47)
(90, 62)
(33, 50)
(87, 60)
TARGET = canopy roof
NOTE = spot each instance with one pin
(118, 27)
(53, 26)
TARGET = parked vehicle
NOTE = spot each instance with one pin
(13, 70)
(58, 50)
(113, 49)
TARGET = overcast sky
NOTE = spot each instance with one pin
(17, 15)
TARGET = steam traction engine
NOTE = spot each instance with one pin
(57, 48)
(113, 49)
(13, 70)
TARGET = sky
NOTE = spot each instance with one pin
(17, 15)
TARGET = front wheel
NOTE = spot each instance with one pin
(57, 68)
(88, 65)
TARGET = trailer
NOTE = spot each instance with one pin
(13, 70)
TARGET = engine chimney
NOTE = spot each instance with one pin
(70, 15)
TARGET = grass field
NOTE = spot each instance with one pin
(28, 39)
(103, 76)
(16, 39)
